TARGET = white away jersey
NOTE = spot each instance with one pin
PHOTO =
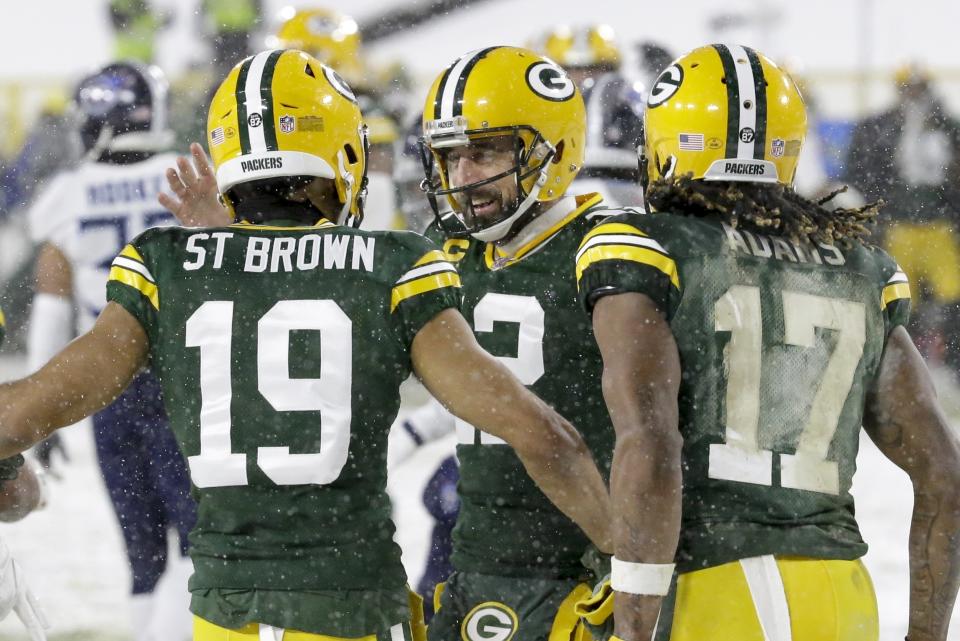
(90, 213)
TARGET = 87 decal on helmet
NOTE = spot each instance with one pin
(743, 118)
(283, 114)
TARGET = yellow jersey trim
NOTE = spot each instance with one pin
(323, 223)
(431, 257)
(131, 252)
(611, 228)
(137, 281)
(632, 253)
(423, 285)
(896, 291)
(493, 253)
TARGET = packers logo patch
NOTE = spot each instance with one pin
(665, 85)
(490, 621)
(549, 81)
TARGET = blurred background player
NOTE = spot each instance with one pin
(909, 156)
(593, 58)
(230, 24)
(334, 39)
(136, 25)
(21, 491)
(82, 219)
(412, 203)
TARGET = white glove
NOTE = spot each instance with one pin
(425, 424)
(15, 595)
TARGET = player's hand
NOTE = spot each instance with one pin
(196, 201)
(46, 450)
(16, 596)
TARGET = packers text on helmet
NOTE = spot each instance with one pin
(283, 113)
(724, 112)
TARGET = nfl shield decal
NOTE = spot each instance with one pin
(287, 124)
(777, 147)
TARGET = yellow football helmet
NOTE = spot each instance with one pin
(504, 91)
(724, 113)
(283, 113)
(586, 46)
(330, 37)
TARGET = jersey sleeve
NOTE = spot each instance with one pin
(3, 327)
(132, 285)
(617, 256)
(428, 285)
(895, 294)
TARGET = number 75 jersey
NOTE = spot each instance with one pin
(779, 344)
(281, 351)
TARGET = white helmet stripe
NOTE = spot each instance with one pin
(254, 103)
(748, 96)
(450, 87)
(455, 82)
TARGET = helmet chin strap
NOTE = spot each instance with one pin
(501, 229)
(344, 217)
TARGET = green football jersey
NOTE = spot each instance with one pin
(779, 343)
(524, 311)
(281, 351)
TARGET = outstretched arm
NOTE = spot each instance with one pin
(641, 380)
(195, 202)
(83, 378)
(904, 419)
(482, 391)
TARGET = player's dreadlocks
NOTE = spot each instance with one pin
(769, 208)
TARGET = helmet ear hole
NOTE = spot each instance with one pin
(559, 155)
(351, 153)
(307, 69)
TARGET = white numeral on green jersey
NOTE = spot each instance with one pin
(211, 329)
(527, 365)
(741, 458)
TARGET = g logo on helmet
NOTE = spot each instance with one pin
(339, 84)
(549, 81)
(490, 621)
(665, 85)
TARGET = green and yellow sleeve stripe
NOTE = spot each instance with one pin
(431, 272)
(129, 268)
(897, 288)
(620, 241)
(3, 320)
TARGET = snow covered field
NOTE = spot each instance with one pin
(73, 555)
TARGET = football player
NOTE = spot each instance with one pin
(762, 330)
(82, 220)
(591, 56)
(503, 138)
(281, 342)
(334, 39)
(20, 493)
